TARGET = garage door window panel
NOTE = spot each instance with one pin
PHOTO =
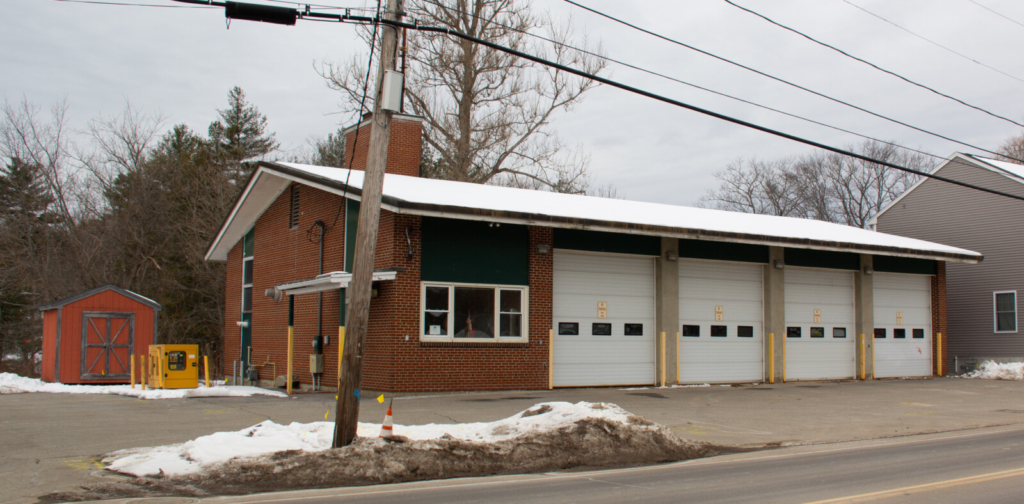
(1005, 311)
(568, 328)
(601, 329)
(691, 331)
(634, 330)
(899, 334)
(793, 332)
(719, 331)
(838, 332)
(817, 332)
(880, 333)
(745, 331)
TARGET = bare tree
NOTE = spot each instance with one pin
(753, 186)
(821, 185)
(1012, 149)
(487, 113)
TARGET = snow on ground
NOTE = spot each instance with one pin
(13, 384)
(700, 385)
(268, 437)
(990, 370)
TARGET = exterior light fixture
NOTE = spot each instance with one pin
(868, 270)
(543, 248)
(779, 264)
(273, 293)
(671, 255)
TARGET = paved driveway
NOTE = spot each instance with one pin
(52, 441)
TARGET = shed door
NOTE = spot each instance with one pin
(107, 341)
(721, 314)
(820, 343)
(603, 318)
(903, 310)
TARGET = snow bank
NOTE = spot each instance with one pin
(13, 384)
(195, 456)
(990, 370)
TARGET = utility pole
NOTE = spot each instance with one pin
(347, 412)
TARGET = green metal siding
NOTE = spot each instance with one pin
(822, 259)
(475, 252)
(351, 220)
(890, 264)
(600, 241)
(722, 251)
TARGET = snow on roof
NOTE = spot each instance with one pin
(414, 195)
(1012, 168)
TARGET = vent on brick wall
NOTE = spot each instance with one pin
(293, 214)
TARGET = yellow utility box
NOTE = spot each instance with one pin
(173, 366)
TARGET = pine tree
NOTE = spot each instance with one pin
(240, 137)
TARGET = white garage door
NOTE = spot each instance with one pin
(603, 319)
(820, 343)
(721, 311)
(903, 325)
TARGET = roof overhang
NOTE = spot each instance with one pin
(271, 179)
(328, 281)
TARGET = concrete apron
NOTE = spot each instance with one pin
(52, 441)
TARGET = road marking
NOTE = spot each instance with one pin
(927, 487)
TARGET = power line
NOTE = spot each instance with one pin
(690, 84)
(665, 99)
(996, 13)
(930, 41)
(872, 65)
(783, 81)
(580, 73)
(137, 4)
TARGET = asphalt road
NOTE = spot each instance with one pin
(980, 467)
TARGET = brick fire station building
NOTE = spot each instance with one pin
(487, 288)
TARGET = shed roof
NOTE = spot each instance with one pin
(459, 200)
(84, 294)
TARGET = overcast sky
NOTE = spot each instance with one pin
(182, 62)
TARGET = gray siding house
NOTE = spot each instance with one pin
(983, 300)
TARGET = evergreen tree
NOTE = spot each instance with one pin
(240, 137)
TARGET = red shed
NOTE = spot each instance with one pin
(88, 337)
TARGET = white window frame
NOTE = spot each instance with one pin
(995, 312)
(497, 313)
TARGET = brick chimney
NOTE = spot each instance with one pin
(405, 148)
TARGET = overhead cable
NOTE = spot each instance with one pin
(930, 41)
(783, 81)
(580, 73)
(872, 65)
(695, 86)
(997, 13)
(126, 4)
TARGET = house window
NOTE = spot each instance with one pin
(1005, 311)
(476, 313)
(293, 208)
(247, 265)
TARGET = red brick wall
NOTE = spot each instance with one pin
(405, 147)
(392, 362)
(939, 319)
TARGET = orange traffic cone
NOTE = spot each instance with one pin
(386, 429)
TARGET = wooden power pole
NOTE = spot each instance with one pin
(347, 412)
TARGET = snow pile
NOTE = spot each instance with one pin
(990, 370)
(13, 384)
(268, 437)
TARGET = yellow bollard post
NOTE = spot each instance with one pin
(677, 356)
(206, 369)
(771, 358)
(145, 371)
(663, 359)
(341, 349)
(783, 359)
(131, 357)
(863, 355)
(551, 359)
(938, 353)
